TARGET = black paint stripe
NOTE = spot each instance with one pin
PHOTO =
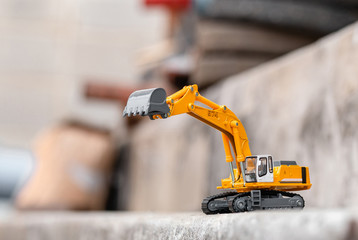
(304, 175)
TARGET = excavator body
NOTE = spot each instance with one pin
(256, 181)
(261, 172)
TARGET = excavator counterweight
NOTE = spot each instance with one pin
(258, 181)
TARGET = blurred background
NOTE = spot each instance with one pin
(68, 67)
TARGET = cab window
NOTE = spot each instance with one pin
(250, 169)
(262, 168)
(270, 164)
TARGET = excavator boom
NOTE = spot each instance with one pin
(152, 103)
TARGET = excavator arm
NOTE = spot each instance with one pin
(152, 102)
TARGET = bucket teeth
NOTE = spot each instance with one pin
(147, 102)
(143, 111)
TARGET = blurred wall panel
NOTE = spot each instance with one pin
(48, 46)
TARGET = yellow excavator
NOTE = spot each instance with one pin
(258, 181)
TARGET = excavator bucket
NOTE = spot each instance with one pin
(147, 102)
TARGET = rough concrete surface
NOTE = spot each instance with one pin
(300, 107)
(311, 224)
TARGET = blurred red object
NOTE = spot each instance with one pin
(173, 4)
(111, 92)
(96, 89)
(175, 7)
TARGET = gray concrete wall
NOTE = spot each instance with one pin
(300, 107)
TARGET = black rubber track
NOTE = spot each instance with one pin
(207, 200)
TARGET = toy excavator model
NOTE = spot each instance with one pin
(258, 181)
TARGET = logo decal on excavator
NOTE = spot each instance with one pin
(213, 114)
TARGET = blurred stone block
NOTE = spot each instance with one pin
(31, 54)
(72, 169)
(316, 17)
(29, 9)
(103, 13)
(226, 48)
(102, 60)
(238, 36)
(212, 68)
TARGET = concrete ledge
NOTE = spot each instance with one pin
(306, 224)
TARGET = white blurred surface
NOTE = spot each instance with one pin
(6, 208)
(47, 48)
(16, 166)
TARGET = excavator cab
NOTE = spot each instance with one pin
(258, 168)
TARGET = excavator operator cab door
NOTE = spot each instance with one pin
(264, 168)
(259, 168)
